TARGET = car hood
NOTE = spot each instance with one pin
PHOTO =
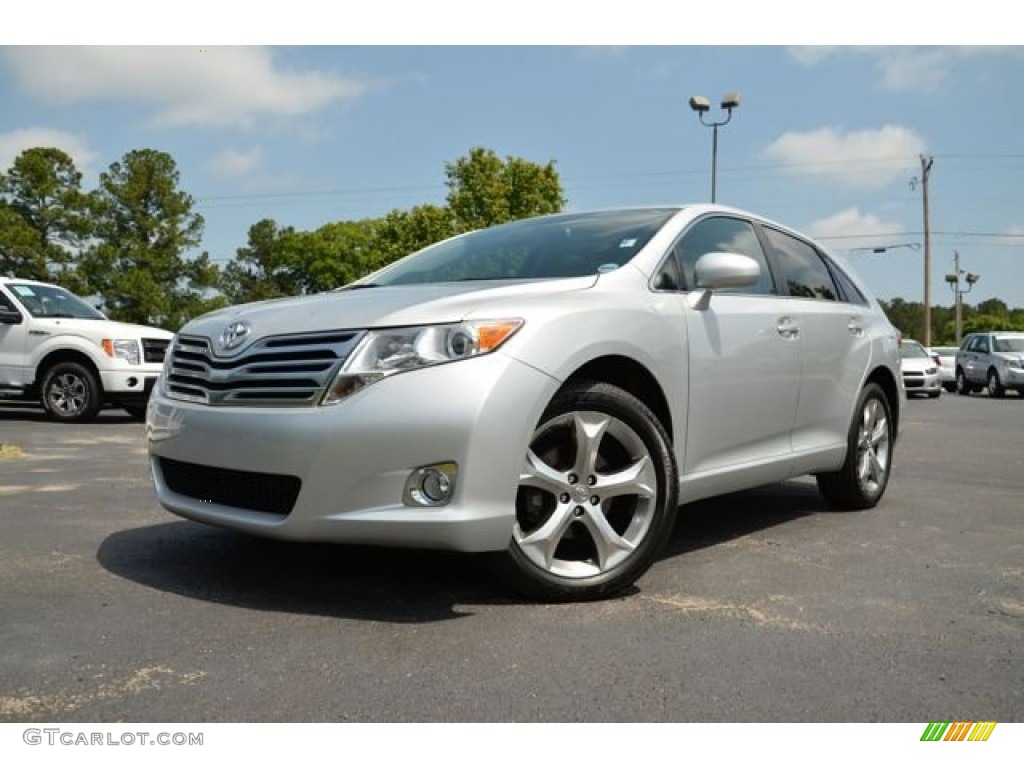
(96, 328)
(916, 364)
(382, 307)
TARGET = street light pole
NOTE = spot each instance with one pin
(701, 105)
(958, 291)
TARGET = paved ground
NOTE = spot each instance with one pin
(767, 607)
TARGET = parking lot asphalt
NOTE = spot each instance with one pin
(766, 607)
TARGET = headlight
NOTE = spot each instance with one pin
(126, 349)
(930, 371)
(395, 350)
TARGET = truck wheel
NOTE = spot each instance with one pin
(70, 392)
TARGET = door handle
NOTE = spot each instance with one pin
(787, 328)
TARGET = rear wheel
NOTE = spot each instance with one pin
(596, 499)
(861, 481)
(70, 392)
(995, 386)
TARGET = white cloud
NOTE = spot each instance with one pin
(906, 68)
(868, 158)
(850, 229)
(184, 85)
(15, 142)
(231, 162)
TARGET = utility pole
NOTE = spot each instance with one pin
(926, 169)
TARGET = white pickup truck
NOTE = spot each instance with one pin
(59, 350)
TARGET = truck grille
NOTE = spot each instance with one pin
(153, 350)
(277, 370)
(255, 491)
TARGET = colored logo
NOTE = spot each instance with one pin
(958, 731)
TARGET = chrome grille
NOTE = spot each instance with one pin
(278, 370)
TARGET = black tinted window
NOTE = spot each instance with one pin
(723, 235)
(567, 245)
(803, 271)
(5, 303)
(850, 292)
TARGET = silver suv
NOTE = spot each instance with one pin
(546, 391)
(993, 359)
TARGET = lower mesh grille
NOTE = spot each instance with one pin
(255, 491)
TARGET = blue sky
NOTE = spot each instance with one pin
(827, 139)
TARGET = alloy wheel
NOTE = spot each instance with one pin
(68, 394)
(873, 447)
(587, 495)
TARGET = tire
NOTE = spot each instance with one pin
(962, 387)
(137, 412)
(590, 520)
(862, 480)
(71, 393)
(995, 387)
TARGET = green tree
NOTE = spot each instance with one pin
(263, 269)
(45, 217)
(145, 226)
(483, 190)
(908, 317)
(335, 254)
(403, 232)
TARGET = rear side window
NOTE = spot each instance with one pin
(803, 271)
(5, 303)
(849, 292)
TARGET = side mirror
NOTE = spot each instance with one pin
(715, 271)
(10, 317)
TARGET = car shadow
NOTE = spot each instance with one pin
(34, 413)
(392, 585)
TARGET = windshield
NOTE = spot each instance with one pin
(567, 245)
(51, 301)
(1008, 344)
(911, 349)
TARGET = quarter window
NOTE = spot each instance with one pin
(804, 272)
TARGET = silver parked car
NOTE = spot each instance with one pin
(920, 371)
(547, 391)
(991, 359)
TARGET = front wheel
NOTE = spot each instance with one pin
(861, 481)
(995, 386)
(596, 499)
(70, 392)
(962, 386)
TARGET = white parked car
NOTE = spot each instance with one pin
(59, 350)
(546, 391)
(945, 358)
(920, 371)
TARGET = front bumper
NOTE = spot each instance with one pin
(921, 383)
(130, 380)
(351, 460)
(1013, 377)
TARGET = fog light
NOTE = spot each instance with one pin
(431, 486)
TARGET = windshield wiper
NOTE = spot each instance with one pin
(359, 286)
